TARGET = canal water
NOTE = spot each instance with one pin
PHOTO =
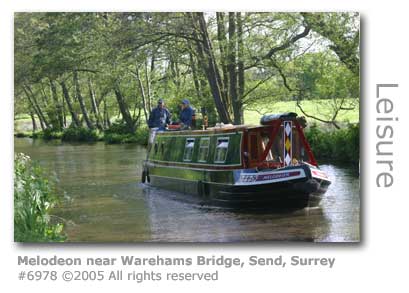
(102, 200)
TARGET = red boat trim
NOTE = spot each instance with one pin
(319, 174)
(306, 144)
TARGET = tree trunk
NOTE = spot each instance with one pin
(221, 36)
(66, 95)
(64, 113)
(33, 108)
(57, 105)
(137, 118)
(209, 65)
(94, 106)
(44, 96)
(195, 77)
(81, 101)
(236, 104)
(123, 107)
(144, 103)
(50, 108)
(107, 121)
(174, 69)
(240, 63)
(33, 121)
(148, 85)
(33, 101)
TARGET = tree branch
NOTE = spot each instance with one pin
(255, 87)
(316, 118)
(288, 43)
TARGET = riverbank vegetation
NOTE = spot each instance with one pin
(340, 145)
(33, 202)
(112, 135)
(96, 76)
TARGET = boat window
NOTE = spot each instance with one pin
(276, 151)
(162, 147)
(204, 149)
(189, 145)
(264, 143)
(221, 150)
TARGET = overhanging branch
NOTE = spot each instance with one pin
(288, 43)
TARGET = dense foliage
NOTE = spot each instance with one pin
(339, 145)
(80, 134)
(85, 70)
(117, 133)
(33, 200)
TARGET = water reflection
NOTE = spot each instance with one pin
(175, 220)
(103, 201)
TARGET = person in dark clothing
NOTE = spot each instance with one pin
(186, 114)
(159, 116)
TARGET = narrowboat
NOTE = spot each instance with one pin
(268, 166)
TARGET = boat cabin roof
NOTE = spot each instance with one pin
(211, 130)
(265, 121)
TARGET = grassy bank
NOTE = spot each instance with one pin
(33, 201)
(116, 134)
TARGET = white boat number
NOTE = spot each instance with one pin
(248, 178)
(270, 177)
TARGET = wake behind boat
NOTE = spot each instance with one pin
(269, 166)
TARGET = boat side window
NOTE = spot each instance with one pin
(264, 143)
(189, 145)
(276, 151)
(221, 150)
(156, 148)
(162, 147)
(204, 149)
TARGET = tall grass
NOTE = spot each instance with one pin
(33, 200)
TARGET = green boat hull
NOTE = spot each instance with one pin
(224, 188)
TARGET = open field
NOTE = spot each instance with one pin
(311, 107)
(22, 122)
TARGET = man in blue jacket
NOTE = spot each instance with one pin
(186, 114)
(159, 116)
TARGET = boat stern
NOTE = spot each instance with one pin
(294, 186)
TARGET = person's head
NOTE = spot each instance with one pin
(161, 103)
(185, 103)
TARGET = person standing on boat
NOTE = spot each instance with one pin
(159, 116)
(186, 115)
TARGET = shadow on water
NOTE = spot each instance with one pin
(103, 201)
